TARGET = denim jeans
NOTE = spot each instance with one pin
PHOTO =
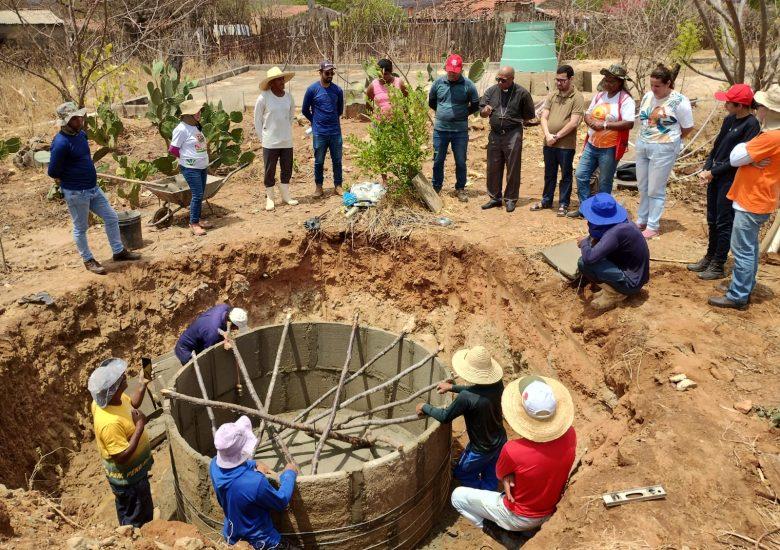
(134, 504)
(744, 248)
(460, 143)
(196, 179)
(654, 162)
(607, 272)
(323, 144)
(592, 157)
(555, 157)
(720, 219)
(80, 203)
(478, 470)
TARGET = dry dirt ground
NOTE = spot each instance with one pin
(479, 281)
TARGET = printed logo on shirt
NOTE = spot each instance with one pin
(658, 121)
(200, 142)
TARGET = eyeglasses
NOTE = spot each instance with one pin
(501, 79)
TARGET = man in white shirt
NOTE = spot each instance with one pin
(274, 115)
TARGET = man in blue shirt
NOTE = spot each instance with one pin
(71, 165)
(204, 331)
(453, 97)
(613, 253)
(323, 104)
(244, 493)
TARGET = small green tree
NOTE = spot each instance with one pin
(395, 145)
(689, 35)
(166, 91)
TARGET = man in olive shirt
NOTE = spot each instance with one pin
(480, 405)
(561, 114)
(508, 105)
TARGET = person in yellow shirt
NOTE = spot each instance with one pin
(122, 440)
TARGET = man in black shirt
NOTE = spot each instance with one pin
(480, 405)
(508, 105)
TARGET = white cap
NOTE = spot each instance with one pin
(539, 400)
(239, 317)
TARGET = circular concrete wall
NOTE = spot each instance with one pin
(385, 502)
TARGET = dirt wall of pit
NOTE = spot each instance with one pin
(388, 502)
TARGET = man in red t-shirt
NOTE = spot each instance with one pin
(533, 468)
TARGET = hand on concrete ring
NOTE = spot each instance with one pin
(228, 344)
(419, 409)
(292, 467)
(262, 468)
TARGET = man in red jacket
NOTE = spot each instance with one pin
(533, 468)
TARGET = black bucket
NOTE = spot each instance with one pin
(130, 229)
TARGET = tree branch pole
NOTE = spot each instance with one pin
(336, 398)
(196, 367)
(259, 404)
(355, 441)
(403, 401)
(385, 421)
(275, 372)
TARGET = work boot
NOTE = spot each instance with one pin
(284, 188)
(126, 256)
(701, 265)
(318, 192)
(575, 214)
(713, 272)
(608, 299)
(94, 266)
(463, 196)
(269, 198)
(722, 301)
(492, 203)
(510, 206)
(338, 191)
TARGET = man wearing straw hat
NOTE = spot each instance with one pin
(242, 490)
(755, 194)
(480, 405)
(122, 441)
(274, 115)
(533, 468)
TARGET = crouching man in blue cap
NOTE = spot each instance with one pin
(614, 253)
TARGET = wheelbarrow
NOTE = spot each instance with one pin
(173, 190)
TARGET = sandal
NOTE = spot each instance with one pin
(562, 211)
(538, 206)
(197, 230)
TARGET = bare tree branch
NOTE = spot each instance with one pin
(706, 75)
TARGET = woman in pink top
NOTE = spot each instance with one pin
(377, 91)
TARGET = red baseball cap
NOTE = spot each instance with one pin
(454, 64)
(738, 93)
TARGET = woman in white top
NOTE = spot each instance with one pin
(188, 144)
(274, 115)
(666, 118)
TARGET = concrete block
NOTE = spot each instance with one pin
(563, 257)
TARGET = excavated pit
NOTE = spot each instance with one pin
(359, 498)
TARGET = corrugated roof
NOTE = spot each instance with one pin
(29, 17)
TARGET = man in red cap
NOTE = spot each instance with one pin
(453, 97)
(740, 126)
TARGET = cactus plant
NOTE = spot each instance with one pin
(8, 146)
(104, 127)
(224, 142)
(133, 169)
(166, 92)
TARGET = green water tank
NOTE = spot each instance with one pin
(529, 47)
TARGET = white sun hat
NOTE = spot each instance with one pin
(235, 443)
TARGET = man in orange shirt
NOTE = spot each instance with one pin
(755, 194)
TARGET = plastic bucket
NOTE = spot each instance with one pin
(130, 229)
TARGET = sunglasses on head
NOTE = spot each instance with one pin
(501, 79)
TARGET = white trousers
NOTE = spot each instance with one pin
(477, 505)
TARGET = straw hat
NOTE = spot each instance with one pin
(538, 408)
(235, 443)
(274, 73)
(191, 107)
(476, 366)
(771, 100)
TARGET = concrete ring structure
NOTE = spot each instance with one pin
(388, 500)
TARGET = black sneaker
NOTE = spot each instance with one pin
(713, 272)
(510, 206)
(94, 266)
(701, 265)
(126, 256)
(722, 301)
(492, 203)
(575, 214)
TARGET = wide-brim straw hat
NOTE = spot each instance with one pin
(475, 365)
(191, 107)
(771, 100)
(274, 73)
(533, 429)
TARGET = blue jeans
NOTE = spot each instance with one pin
(477, 470)
(592, 158)
(80, 203)
(555, 157)
(654, 162)
(607, 272)
(460, 143)
(744, 248)
(134, 504)
(196, 179)
(322, 144)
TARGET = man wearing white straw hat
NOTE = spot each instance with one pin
(534, 468)
(755, 194)
(242, 490)
(480, 405)
(274, 115)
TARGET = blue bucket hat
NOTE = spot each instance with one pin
(603, 209)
